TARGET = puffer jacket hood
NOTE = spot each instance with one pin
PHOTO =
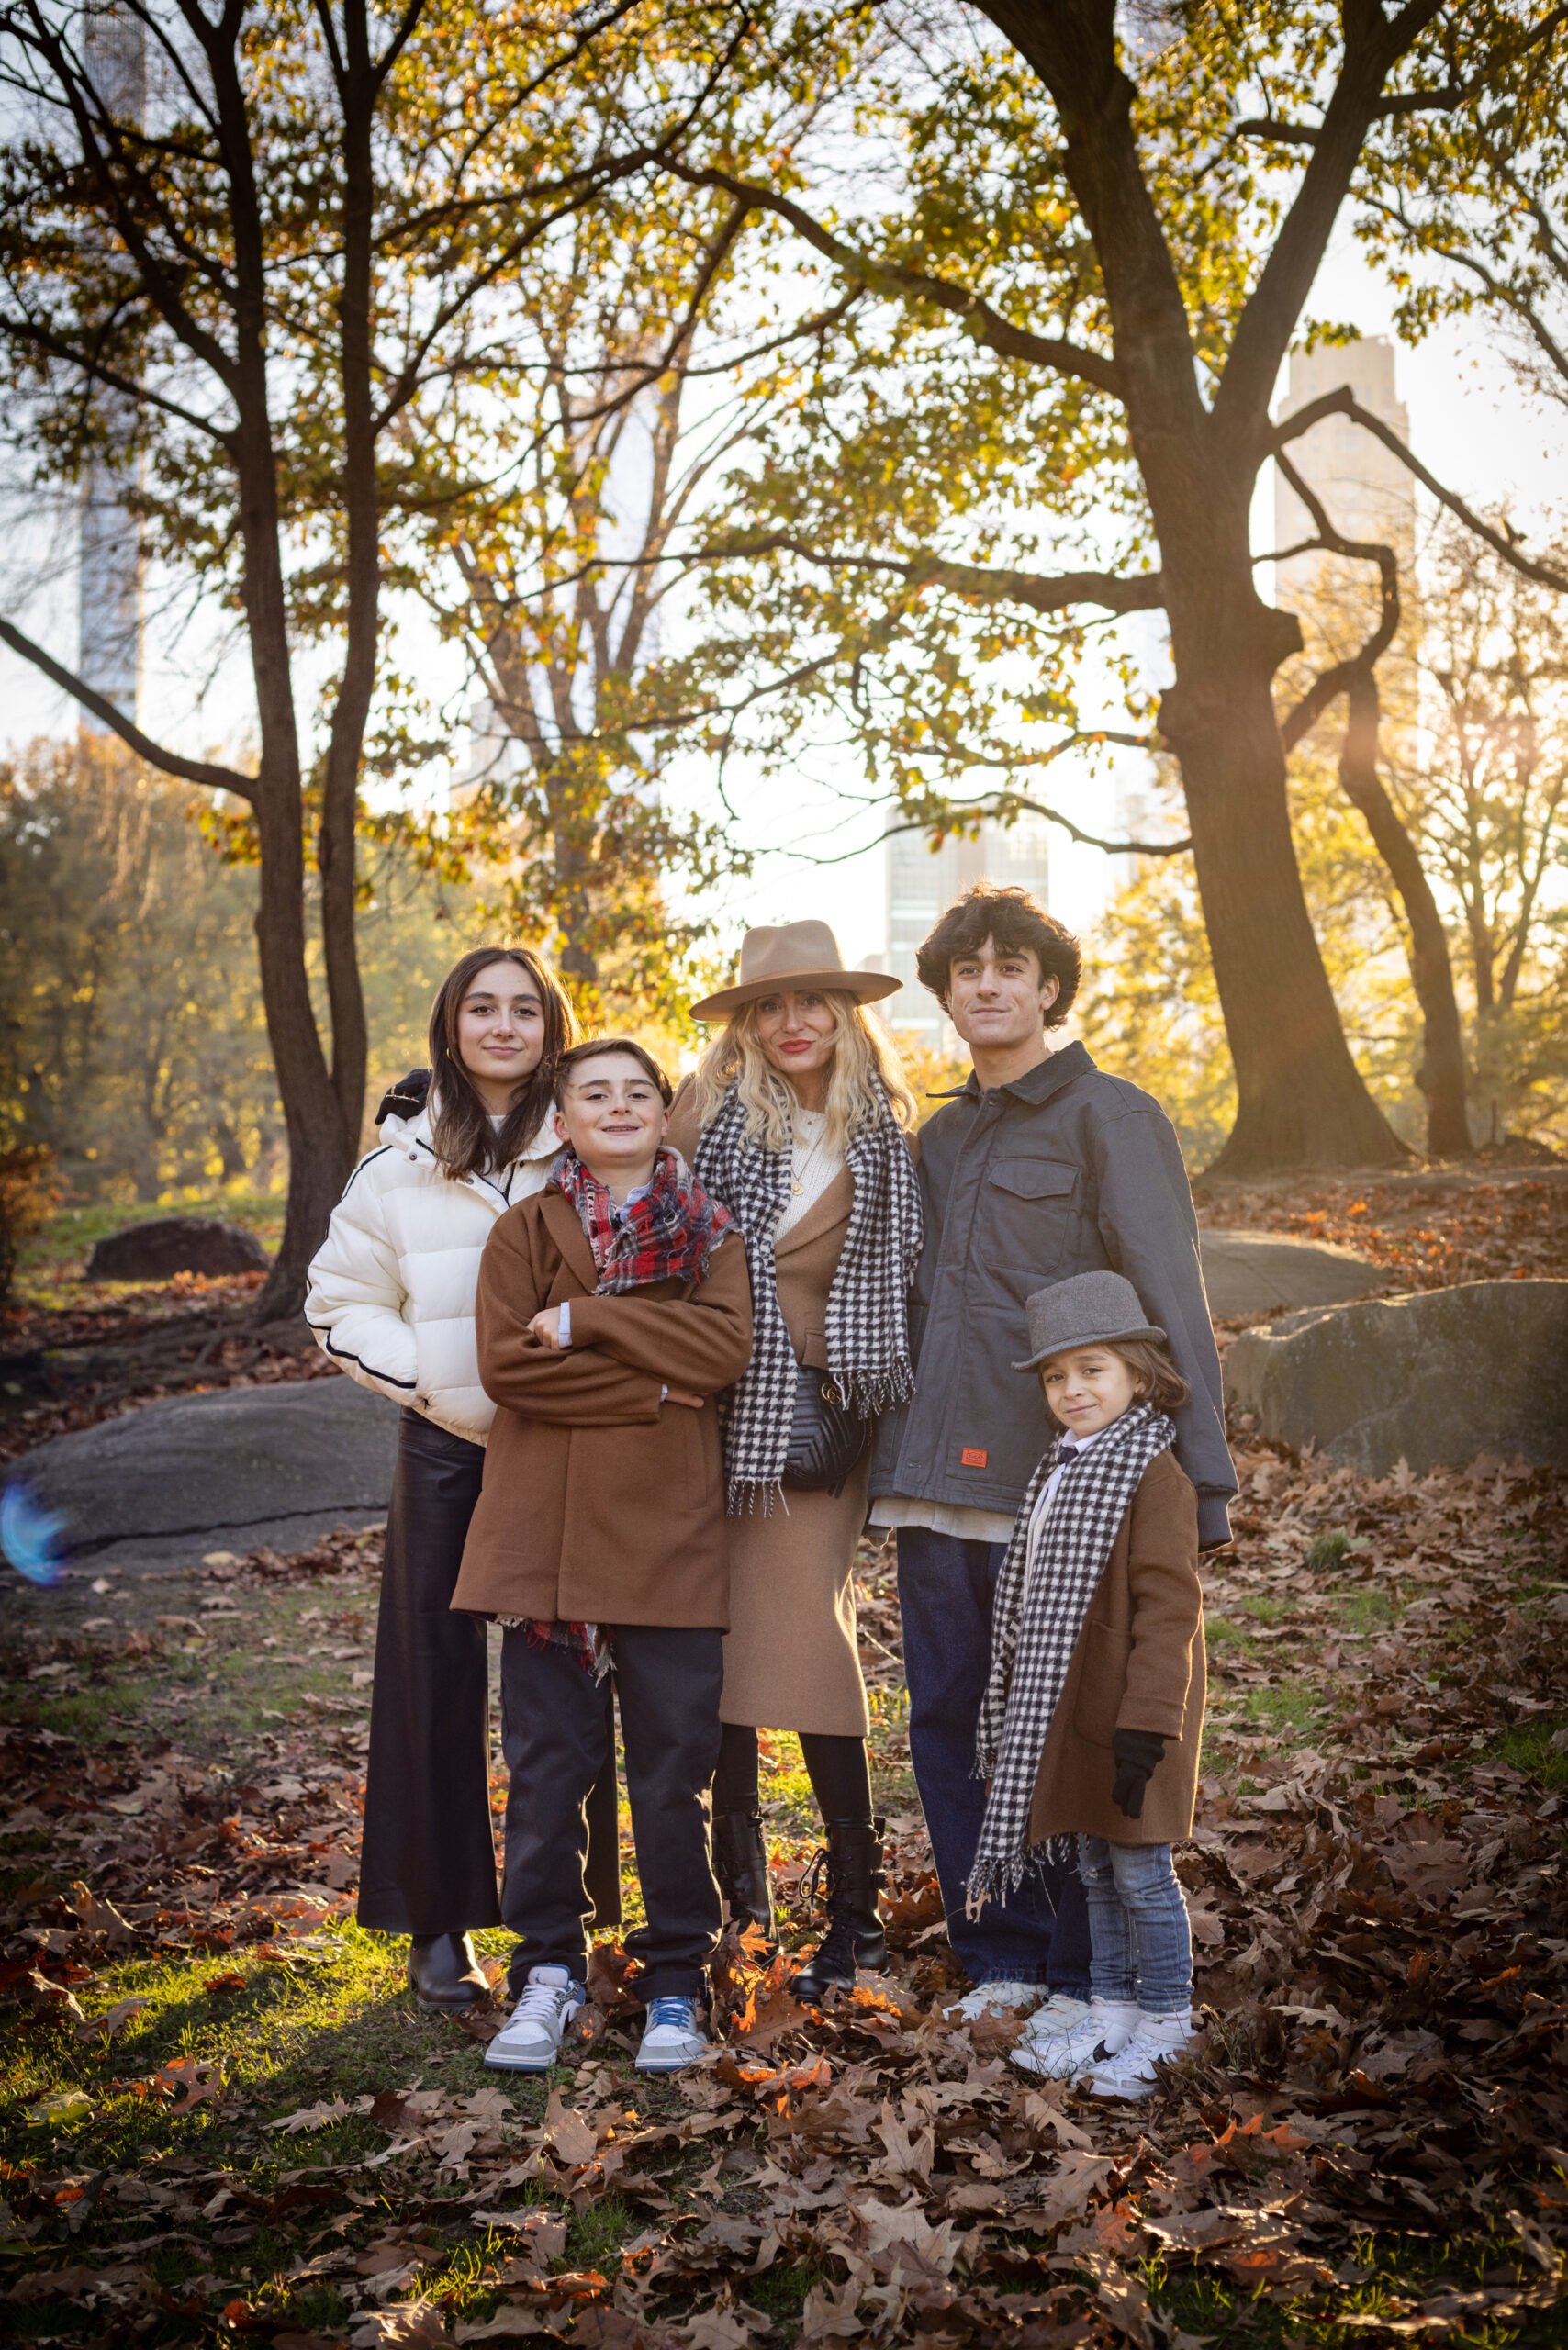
(392, 1287)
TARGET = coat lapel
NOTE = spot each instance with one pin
(566, 1232)
(830, 1207)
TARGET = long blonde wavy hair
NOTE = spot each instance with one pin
(861, 1051)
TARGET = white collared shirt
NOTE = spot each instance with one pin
(1070, 1447)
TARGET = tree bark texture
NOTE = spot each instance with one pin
(1301, 1100)
(1443, 1076)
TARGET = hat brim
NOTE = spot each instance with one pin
(1094, 1338)
(865, 987)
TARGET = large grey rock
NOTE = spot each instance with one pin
(1435, 1379)
(1259, 1273)
(231, 1470)
(176, 1244)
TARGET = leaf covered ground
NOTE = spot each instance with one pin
(224, 2120)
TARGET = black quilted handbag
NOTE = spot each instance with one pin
(826, 1439)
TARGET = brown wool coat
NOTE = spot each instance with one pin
(792, 1658)
(1138, 1665)
(601, 1505)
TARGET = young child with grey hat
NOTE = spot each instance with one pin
(1092, 1716)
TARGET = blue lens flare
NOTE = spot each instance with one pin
(29, 1535)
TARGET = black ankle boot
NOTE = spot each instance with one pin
(739, 1863)
(444, 1972)
(852, 1864)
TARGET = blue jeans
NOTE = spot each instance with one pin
(1142, 1943)
(1040, 1933)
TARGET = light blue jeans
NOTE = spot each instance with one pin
(1140, 1942)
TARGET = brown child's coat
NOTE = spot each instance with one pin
(601, 1505)
(1138, 1665)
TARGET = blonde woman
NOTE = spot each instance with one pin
(797, 1121)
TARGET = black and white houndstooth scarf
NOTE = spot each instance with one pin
(867, 1328)
(1032, 1644)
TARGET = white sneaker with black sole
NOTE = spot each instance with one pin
(1133, 2071)
(672, 2037)
(529, 2040)
(1066, 2038)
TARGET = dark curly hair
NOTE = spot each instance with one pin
(1011, 920)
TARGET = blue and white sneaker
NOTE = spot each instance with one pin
(530, 2042)
(672, 2037)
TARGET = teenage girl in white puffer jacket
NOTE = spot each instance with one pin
(391, 1299)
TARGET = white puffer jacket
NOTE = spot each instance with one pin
(392, 1286)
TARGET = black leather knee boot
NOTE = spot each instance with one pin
(851, 1861)
(444, 1972)
(739, 1863)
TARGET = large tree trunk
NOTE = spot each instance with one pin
(1443, 1076)
(319, 1154)
(1301, 1101)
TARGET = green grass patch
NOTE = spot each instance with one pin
(1368, 1611)
(1527, 1747)
(1284, 1706)
(1222, 1634)
(1398, 2272)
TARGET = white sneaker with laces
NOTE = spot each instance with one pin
(529, 2040)
(1133, 2071)
(672, 2037)
(994, 2000)
(1065, 2038)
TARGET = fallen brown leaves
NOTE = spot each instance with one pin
(1429, 1229)
(1378, 1896)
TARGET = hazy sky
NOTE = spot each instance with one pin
(1468, 419)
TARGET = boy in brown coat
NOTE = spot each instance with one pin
(1094, 1712)
(612, 1307)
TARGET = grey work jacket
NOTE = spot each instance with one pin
(1066, 1170)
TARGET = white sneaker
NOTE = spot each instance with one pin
(1133, 2071)
(1065, 2038)
(529, 2040)
(672, 2037)
(994, 2000)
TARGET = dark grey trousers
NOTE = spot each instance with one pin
(429, 1863)
(557, 1730)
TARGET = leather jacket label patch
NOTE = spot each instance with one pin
(973, 1457)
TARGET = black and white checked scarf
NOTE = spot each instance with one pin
(1032, 1646)
(866, 1326)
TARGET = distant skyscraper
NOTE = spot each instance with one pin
(108, 652)
(921, 885)
(1366, 490)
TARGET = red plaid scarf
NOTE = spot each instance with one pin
(667, 1234)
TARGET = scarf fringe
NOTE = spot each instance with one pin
(870, 1394)
(997, 1878)
(755, 1497)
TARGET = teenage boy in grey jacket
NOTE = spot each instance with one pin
(1040, 1166)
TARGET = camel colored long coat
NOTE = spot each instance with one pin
(791, 1657)
(1138, 1665)
(601, 1503)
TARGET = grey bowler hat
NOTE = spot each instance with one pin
(1090, 1310)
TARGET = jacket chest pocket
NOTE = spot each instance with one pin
(1029, 1208)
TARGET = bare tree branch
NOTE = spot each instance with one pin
(1144, 592)
(1344, 403)
(980, 809)
(202, 771)
(1345, 677)
(987, 327)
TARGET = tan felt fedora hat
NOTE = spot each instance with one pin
(791, 956)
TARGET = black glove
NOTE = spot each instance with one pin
(1137, 1754)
